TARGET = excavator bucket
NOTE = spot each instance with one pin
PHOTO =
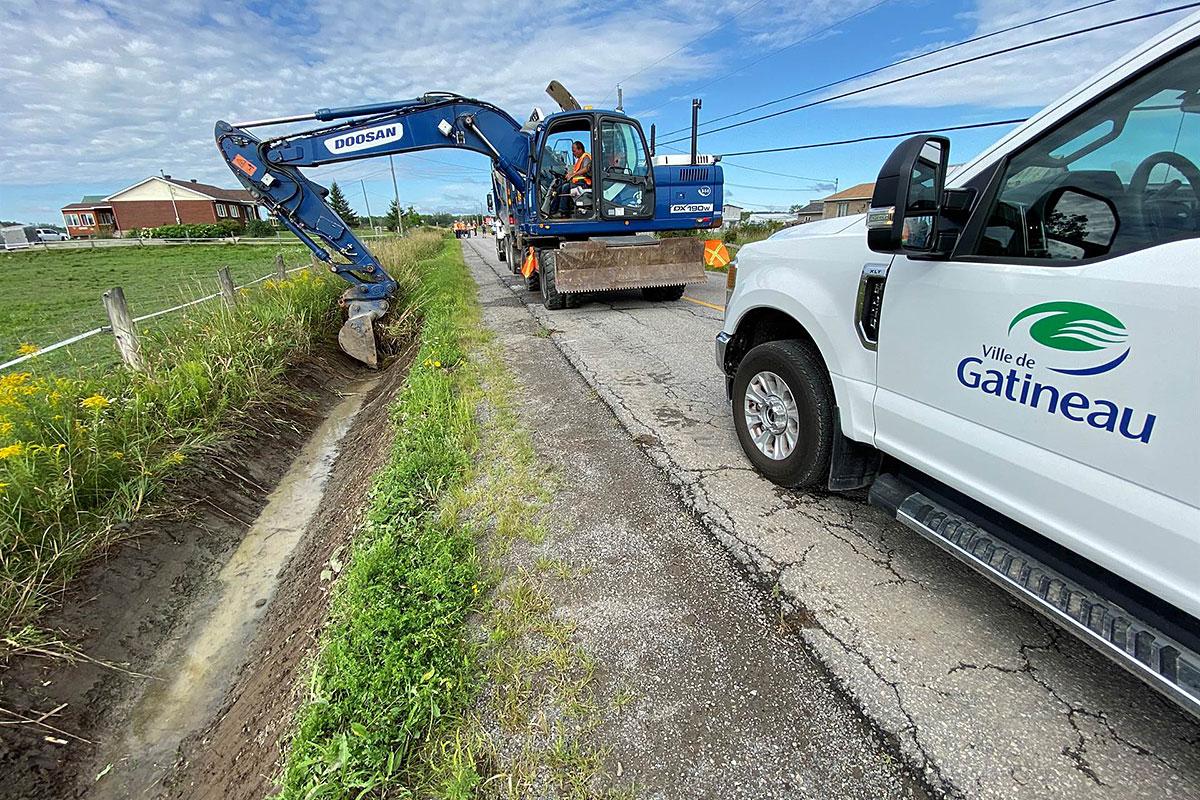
(357, 335)
(633, 262)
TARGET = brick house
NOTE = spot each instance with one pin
(158, 201)
(91, 216)
(855, 200)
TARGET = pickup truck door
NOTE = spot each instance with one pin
(1050, 368)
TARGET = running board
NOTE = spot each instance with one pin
(1147, 652)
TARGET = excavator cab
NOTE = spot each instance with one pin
(620, 185)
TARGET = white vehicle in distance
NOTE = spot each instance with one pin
(1008, 357)
(51, 235)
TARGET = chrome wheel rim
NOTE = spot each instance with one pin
(772, 418)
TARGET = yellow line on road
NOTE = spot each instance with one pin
(713, 306)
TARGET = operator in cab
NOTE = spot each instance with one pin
(577, 180)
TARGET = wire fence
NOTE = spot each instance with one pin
(77, 244)
(79, 337)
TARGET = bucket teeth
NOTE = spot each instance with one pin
(357, 335)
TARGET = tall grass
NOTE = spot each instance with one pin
(78, 455)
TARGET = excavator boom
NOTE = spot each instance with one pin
(269, 169)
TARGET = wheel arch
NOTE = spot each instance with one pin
(764, 324)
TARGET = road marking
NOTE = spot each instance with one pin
(713, 306)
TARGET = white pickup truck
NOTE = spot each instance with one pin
(1009, 357)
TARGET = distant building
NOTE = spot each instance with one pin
(814, 210)
(767, 217)
(157, 201)
(855, 200)
(730, 216)
(91, 216)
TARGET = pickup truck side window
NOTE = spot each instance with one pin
(1121, 175)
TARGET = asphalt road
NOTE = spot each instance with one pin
(982, 694)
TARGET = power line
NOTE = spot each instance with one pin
(877, 137)
(907, 60)
(726, 163)
(763, 171)
(792, 189)
(796, 43)
(958, 63)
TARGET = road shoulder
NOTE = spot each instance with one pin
(720, 698)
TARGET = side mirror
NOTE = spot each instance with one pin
(491, 203)
(908, 196)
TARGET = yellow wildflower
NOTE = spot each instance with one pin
(95, 402)
(3, 486)
(437, 364)
(117, 455)
(27, 349)
(12, 450)
(6, 427)
(175, 459)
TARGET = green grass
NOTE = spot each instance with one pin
(51, 295)
(444, 671)
(80, 454)
(393, 661)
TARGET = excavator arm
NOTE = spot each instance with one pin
(270, 171)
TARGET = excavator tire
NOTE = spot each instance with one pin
(659, 294)
(514, 255)
(550, 295)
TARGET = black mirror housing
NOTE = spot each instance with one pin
(909, 185)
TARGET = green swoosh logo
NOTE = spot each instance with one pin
(1076, 327)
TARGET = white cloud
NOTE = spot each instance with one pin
(1030, 77)
(107, 92)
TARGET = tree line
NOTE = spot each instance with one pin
(411, 217)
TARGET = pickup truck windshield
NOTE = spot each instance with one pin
(1118, 176)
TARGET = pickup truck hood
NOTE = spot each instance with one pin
(854, 225)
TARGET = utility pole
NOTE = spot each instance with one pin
(396, 190)
(370, 222)
(695, 125)
(171, 189)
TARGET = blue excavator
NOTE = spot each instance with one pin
(569, 232)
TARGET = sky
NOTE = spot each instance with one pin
(95, 96)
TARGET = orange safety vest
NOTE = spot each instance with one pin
(587, 180)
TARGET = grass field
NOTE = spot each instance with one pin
(49, 296)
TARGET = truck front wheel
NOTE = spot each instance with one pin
(550, 296)
(783, 413)
(501, 250)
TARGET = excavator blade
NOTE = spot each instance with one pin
(633, 262)
(357, 335)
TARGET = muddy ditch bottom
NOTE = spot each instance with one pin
(218, 600)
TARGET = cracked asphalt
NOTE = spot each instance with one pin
(984, 697)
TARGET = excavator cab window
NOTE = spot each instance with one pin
(626, 177)
(555, 200)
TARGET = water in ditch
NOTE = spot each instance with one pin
(212, 648)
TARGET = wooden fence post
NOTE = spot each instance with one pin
(227, 290)
(122, 328)
(280, 267)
